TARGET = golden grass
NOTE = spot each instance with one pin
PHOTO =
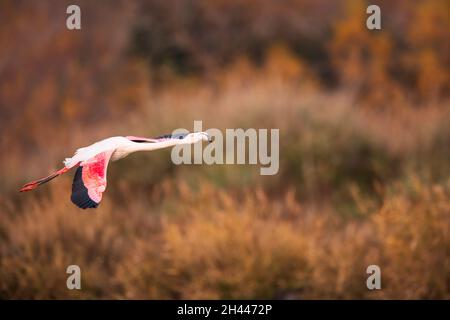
(364, 170)
(210, 244)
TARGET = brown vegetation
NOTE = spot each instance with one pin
(364, 156)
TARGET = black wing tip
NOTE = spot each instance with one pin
(83, 201)
(80, 196)
(164, 136)
(172, 136)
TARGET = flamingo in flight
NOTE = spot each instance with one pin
(91, 162)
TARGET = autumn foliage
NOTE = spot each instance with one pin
(364, 149)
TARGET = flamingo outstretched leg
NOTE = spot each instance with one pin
(34, 184)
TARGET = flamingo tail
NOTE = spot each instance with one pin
(34, 184)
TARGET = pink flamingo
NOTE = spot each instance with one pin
(89, 181)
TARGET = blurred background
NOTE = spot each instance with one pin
(364, 149)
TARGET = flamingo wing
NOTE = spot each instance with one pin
(89, 181)
(141, 139)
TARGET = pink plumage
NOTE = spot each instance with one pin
(92, 161)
